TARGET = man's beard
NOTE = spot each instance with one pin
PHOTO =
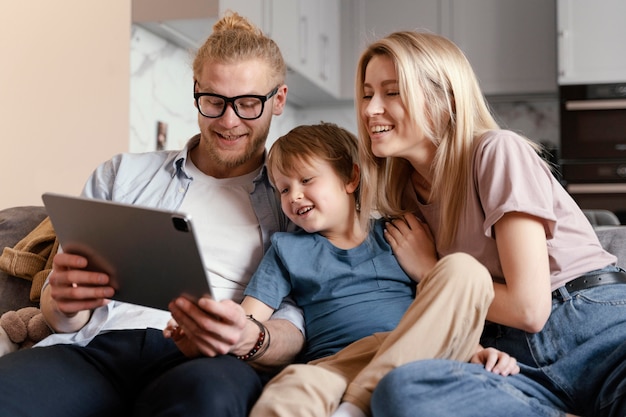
(233, 161)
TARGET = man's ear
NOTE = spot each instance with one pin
(353, 184)
(280, 99)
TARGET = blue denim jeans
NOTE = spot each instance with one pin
(576, 364)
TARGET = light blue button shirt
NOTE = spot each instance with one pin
(158, 179)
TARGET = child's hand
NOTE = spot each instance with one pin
(496, 361)
(177, 334)
(171, 330)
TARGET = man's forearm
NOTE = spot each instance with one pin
(286, 342)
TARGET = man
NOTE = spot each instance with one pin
(111, 358)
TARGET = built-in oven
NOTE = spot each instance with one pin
(593, 145)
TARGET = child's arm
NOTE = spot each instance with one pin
(257, 309)
(495, 361)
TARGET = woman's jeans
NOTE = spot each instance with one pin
(576, 364)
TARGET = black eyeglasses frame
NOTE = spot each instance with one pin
(231, 101)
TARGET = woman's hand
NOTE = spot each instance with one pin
(412, 244)
(496, 361)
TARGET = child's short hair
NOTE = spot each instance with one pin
(325, 141)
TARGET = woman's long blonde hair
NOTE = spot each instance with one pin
(455, 113)
(234, 39)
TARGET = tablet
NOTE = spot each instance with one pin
(151, 255)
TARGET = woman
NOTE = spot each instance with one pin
(435, 159)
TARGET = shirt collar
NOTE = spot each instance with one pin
(178, 165)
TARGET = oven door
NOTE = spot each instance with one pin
(601, 196)
(593, 124)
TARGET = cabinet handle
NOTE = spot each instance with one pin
(324, 70)
(578, 105)
(609, 188)
(304, 39)
(563, 51)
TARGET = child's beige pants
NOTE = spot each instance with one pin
(445, 321)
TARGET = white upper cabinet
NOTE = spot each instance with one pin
(511, 44)
(257, 11)
(591, 41)
(383, 17)
(308, 34)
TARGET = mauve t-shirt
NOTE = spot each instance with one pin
(509, 176)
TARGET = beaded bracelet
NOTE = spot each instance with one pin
(260, 346)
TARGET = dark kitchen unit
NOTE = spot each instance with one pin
(593, 145)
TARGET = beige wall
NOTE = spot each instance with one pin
(64, 93)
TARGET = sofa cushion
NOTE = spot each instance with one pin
(15, 224)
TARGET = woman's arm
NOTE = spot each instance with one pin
(524, 302)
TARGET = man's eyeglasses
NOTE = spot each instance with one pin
(248, 107)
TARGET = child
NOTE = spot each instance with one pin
(341, 271)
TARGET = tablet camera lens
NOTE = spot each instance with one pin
(180, 224)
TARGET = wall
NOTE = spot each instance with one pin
(161, 91)
(65, 91)
(535, 117)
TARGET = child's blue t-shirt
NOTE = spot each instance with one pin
(345, 294)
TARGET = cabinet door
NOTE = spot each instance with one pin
(383, 17)
(328, 45)
(257, 11)
(510, 43)
(285, 30)
(307, 33)
(592, 39)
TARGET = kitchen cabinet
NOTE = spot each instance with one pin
(383, 17)
(308, 34)
(510, 43)
(167, 10)
(257, 11)
(591, 39)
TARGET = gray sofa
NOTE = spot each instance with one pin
(17, 222)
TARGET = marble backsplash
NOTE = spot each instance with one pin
(161, 102)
